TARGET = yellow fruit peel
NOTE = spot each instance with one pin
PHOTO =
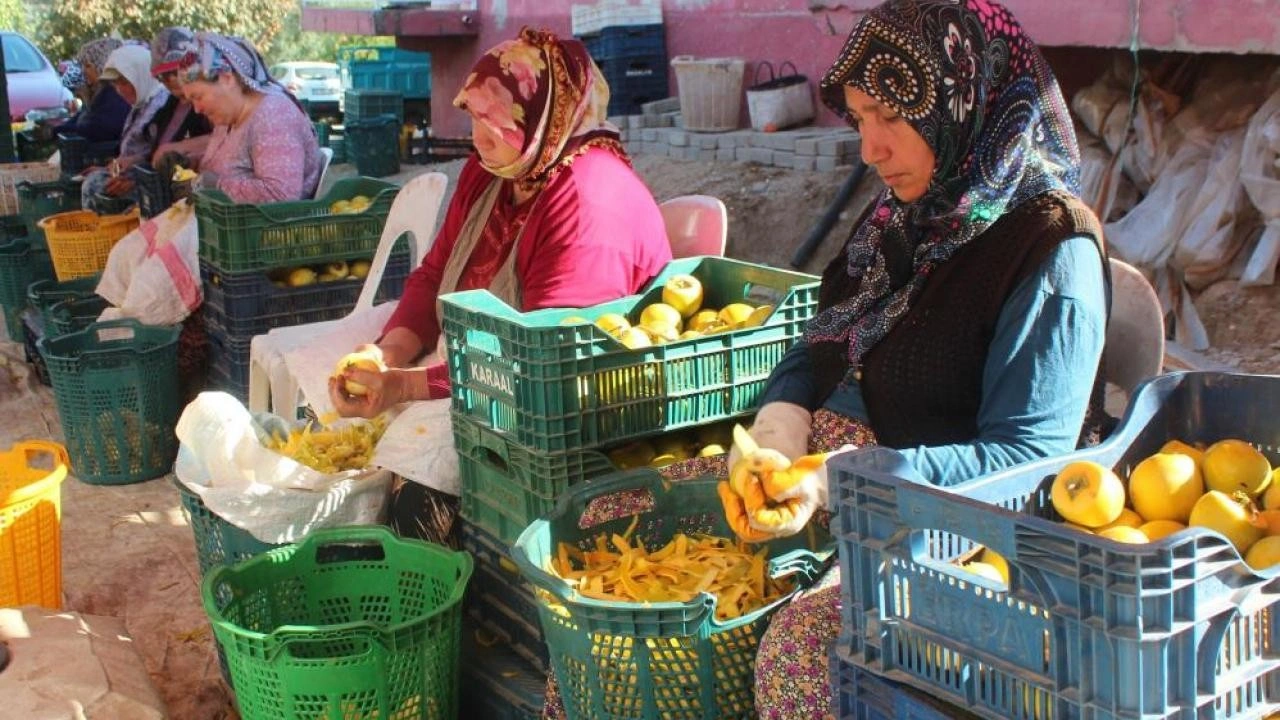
(618, 569)
(331, 449)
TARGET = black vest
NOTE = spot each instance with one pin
(922, 383)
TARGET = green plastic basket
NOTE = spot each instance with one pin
(557, 387)
(649, 661)
(235, 237)
(75, 314)
(42, 295)
(20, 264)
(116, 385)
(350, 623)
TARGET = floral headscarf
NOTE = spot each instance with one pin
(545, 97)
(168, 48)
(95, 52)
(215, 54)
(979, 92)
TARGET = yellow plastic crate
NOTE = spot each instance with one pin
(31, 475)
(80, 240)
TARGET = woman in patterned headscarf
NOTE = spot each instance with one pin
(964, 319)
(176, 127)
(263, 148)
(104, 113)
(547, 213)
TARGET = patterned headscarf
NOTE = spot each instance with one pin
(168, 48)
(979, 92)
(215, 54)
(95, 52)
(543, 96)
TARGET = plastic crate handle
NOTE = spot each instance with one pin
(924, 507)
(34, 449)
(362, 637)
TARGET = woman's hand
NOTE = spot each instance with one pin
(119, 185)
(383, 390)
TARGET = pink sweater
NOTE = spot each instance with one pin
(271, 157)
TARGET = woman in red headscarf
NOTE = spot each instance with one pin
(548, 212)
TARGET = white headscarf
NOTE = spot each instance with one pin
(133, 62)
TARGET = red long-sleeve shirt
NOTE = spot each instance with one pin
(593, 234)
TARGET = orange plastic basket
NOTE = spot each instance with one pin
(31, 475)
(80, 240)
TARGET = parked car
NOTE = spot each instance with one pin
(315, 82)
(33, 82)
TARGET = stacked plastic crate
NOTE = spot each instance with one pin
(545, 400)
(628, 43)
(371, 130)
(289, 263)
(1084, 626)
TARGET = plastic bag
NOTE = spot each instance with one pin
(153, 273)
(1260, 175)
(274, 498)
(310, 360)
(418, 445)
(1211, 236)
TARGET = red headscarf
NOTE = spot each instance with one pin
(543, 96)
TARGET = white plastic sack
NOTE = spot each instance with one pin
(153, 273)
(418, 445)
(1149, 233)
(274, 498)
(1211, 237)
(1260, 175)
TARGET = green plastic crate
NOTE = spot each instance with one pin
(649, 661)
(235, 237)
(13, 323)
(556, 387)
(12, 228)
(350, 623)
(116, 385)
(40, 200)
(366, 104)
(373, 145)
(42, 295)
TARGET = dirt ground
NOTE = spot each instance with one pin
(128, 552)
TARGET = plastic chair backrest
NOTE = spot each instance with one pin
(1135, 334)
(696, 225)
(327, 152)
(414, 211)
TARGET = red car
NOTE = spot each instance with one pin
(33, 81)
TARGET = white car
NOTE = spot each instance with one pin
(315, 82)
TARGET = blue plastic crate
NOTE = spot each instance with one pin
(228, 361)
(499, 600)
(862, 695)
(620, 72)
(1087, 627)
(626, 41)
(250, 303)
(497, 684)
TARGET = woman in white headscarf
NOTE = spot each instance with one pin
(128, 69)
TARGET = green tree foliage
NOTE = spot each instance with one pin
(14, 16)
(67, 24)
(294, 43)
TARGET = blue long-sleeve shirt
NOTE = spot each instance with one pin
(104, 117)
(1036, 382)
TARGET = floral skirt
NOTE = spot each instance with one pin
(792, 663)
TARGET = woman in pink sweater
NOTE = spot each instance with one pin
(263, 148)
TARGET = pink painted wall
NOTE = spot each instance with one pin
(810, 32)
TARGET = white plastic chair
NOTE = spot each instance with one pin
(696, 225)
(1135, 334)
(271, 384)
(324, 170)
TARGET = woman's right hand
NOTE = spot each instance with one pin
(383, 390)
